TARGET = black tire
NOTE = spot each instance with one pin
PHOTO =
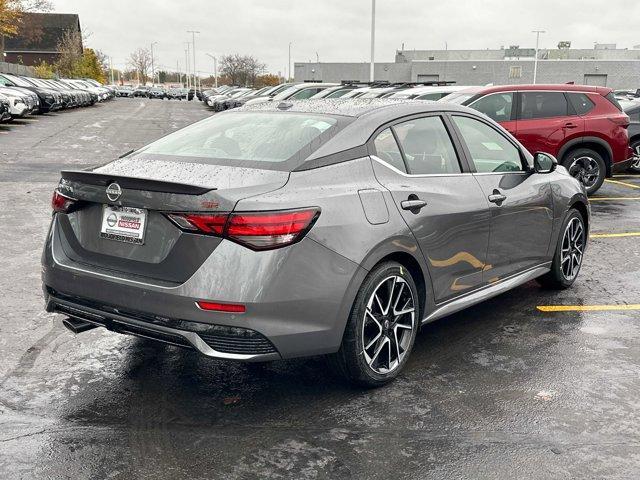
(582, 163)
(350, 361)
(556, 278)
(635, 166)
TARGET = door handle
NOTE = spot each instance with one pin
(570, 125)
(497, 198)
(414, 205)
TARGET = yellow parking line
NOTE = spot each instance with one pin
(602, 199)
(587, 308)
(624, 184)
(614, 235)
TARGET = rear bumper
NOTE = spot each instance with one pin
(624, 165)
(298, 298)
(244, 345)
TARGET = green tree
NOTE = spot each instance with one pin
(44, 70)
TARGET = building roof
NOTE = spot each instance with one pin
(41, 32)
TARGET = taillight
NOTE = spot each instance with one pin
(61, 203)
(622, 120)
(255, 230)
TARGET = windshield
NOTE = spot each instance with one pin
(250, 136)
(458, 98)
(18, 81)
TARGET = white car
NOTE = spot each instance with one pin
(300, 91)
(19, 103)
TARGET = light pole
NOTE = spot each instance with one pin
(373, 40)
(193, 42)
(153, 71)
(535, 61)
(289, 64)
(186, 65)
(215, 69)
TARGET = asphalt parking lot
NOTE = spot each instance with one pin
(503, 390)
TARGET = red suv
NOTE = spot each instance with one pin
(584, 127)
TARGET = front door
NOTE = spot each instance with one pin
(520, 200)
(443, 206)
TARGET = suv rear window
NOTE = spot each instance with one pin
(581, 103)
(240, 137)
(612, 98)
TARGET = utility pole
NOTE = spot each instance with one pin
(111, 68)
(193, 42)
(289, 64)
(153, 70)
(535, 61)
(373, 40)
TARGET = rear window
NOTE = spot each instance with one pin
(240, 137)
(612, 98)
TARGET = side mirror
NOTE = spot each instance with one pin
(544, 162)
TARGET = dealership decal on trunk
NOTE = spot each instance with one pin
(124, 224)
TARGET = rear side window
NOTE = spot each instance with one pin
(612, 98)
(427, 147)
(306, 93)
(581, 103)
(387, 150)
(543, 105)
(497, 106)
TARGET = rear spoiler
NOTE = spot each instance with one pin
(132, 183)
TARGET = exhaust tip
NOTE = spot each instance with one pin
(77, 326)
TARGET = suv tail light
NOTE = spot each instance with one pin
(255, 230)
(622, 120)
(61, 203)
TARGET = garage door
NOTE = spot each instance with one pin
(595, 80)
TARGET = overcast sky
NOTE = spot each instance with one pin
(338, 30)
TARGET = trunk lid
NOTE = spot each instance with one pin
(156, 186)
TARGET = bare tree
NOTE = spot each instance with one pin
(70, 52)
(140, 62)
(241, 69)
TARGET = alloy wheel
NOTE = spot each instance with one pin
(572, 249)
(636, 163)
(388, 325)
(586, 170)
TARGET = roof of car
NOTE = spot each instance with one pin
(563, 87)
(350, 107)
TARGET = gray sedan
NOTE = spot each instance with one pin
(322, 227)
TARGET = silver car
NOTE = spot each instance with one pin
(321, 227)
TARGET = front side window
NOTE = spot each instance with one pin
(497, 106)
(543, 105)
(427, 146)
(244, 136)
(490, 151)
(387, 150)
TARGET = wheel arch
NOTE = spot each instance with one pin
(594, 143)
(581, 206)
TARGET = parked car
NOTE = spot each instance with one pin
(287, 230)
(157, 92)
(432, 93)
(300, 91)
(235, 102)
(334, 92)
(632, 108)
(49, 100)
(631, 94)
(19, 103)
(141, 91)
(583, 126)
(124, 91)
(5, 109)
(219, 102)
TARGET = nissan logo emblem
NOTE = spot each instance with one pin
(113, 192)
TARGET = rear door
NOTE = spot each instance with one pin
(546, 120)
(443, 205)
(520, 201)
